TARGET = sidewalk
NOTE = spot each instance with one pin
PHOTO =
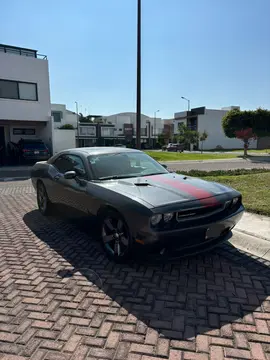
(256, 225)
(252, 234)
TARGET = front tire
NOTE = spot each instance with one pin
(115, 236)
(43, 201)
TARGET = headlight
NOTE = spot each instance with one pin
(231, 203)
(155, 219)
(167, 217)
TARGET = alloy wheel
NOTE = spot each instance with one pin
(42, 198)
(115, 236)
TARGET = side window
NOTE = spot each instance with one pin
(70, 163)
(77, 165)
(59, 164)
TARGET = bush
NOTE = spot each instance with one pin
(200, 173)
(67, 127)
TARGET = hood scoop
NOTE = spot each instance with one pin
(142, 184)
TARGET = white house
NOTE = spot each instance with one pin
(126, 122)
(63, 138)
(209, 120)
(25, 109)
(62, 116)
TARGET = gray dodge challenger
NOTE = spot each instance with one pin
(137, 201)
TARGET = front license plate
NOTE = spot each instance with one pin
(214, 231)
(36, 152)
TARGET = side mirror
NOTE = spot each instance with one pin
(70, 175)
(165, 166)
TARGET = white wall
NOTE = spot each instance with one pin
(23, 68)
(212, 123)
(67, 116)
(63, 139)
(16, 138)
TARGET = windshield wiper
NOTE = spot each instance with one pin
(156, 173)
(113, 177)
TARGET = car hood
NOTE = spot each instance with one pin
(164, 189)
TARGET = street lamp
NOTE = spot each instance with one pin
(155, 120)
(182, 97)
(138, 115)
(78, 136)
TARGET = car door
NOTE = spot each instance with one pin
(72, 192)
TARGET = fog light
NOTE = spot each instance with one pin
(167, 217)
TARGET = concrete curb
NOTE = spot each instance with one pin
(251, 244)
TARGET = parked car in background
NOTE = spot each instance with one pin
(33, 150)
(175, 147)
(120, 145)
(137, 201)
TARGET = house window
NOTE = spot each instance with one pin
(107, 132)
(57, 116)
(18, 90)
(9, 89)
(27, 91)
(20, 131)
(87, 130)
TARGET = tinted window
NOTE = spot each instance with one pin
(18, 90)
(124, 164)
(9, 89)
(78, 165)
(70, 163)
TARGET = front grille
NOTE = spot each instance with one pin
(198, 212)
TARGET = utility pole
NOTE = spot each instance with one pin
(78, 133)
(155, 123)
(138, 114)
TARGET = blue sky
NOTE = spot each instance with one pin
(214, 52)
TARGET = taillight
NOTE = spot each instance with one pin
(45, 150)
(26, 150)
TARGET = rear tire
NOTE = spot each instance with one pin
(44, 204)
(115, 236)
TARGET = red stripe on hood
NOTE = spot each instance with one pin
(205, 197)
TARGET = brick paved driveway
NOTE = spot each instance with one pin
(204, 307)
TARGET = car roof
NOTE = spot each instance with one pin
(98, 150)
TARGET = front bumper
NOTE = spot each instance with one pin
(192, 239)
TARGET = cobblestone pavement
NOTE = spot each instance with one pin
(52, 306)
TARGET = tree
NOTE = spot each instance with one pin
(161, 139)
(187, 136)
(245, 135)
(246, 125)
(202, 137)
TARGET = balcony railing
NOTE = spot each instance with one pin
(21, 51)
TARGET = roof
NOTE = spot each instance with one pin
(101, 150)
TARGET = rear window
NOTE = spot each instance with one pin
(33, 146)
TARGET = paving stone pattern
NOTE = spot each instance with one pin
(60, 298)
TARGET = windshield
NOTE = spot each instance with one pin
(124, 165)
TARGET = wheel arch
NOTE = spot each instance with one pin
(105, 208)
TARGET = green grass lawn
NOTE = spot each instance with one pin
(263, 151)
(172, 156)
(255, 189)
(256, 151)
